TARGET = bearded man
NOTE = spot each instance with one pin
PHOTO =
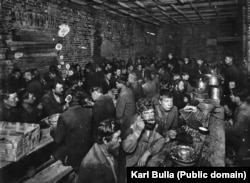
(53, 101)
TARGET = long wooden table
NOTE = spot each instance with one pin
(211, 147)
(215, 143)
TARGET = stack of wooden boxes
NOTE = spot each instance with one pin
(17, 139)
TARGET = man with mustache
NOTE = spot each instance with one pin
(53, 101)
(100, 164)
(142, 142)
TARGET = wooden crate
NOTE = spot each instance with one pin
(11, 146)
(17, 139)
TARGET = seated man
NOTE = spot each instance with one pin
(99, 165)
(53, 102)
(28, 112)
(189, 88)
(34, 85)
(105, 82)
(73, 132)
(8, 109)
(166, 114)
(180, 97)
(241, 123)
(142, 142)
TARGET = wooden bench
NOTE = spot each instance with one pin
(51, 174)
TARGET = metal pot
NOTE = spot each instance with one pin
(215, 93)
(213, 80)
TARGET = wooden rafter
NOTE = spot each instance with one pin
(208, 19)
(139, 4)
(200, 5)
(179, 11)
(124, 5)
(164, 12)
(115, 9)
(214, 7)
(207, 16)
(196, 10)
(213, 20)
(160, 12)
(79, 2)
(167, 15)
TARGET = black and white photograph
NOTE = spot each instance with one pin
(122, 91)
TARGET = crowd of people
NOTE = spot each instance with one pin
(120, 114)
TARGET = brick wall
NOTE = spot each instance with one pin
(212, 42)
(30, 27)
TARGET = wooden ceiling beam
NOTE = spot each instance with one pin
(159, 12)
(201, 5)
(186, 1)
(196, 10)
(214, 20)
(190, 13)
(148, 13)
(173, 6)
(79, 2)
(164, 12)
(176, 17)
(214, 7)
(115, 9)
(201, 10)
(205, 16)
(179, 11)
(138, 3)
(124, 5)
